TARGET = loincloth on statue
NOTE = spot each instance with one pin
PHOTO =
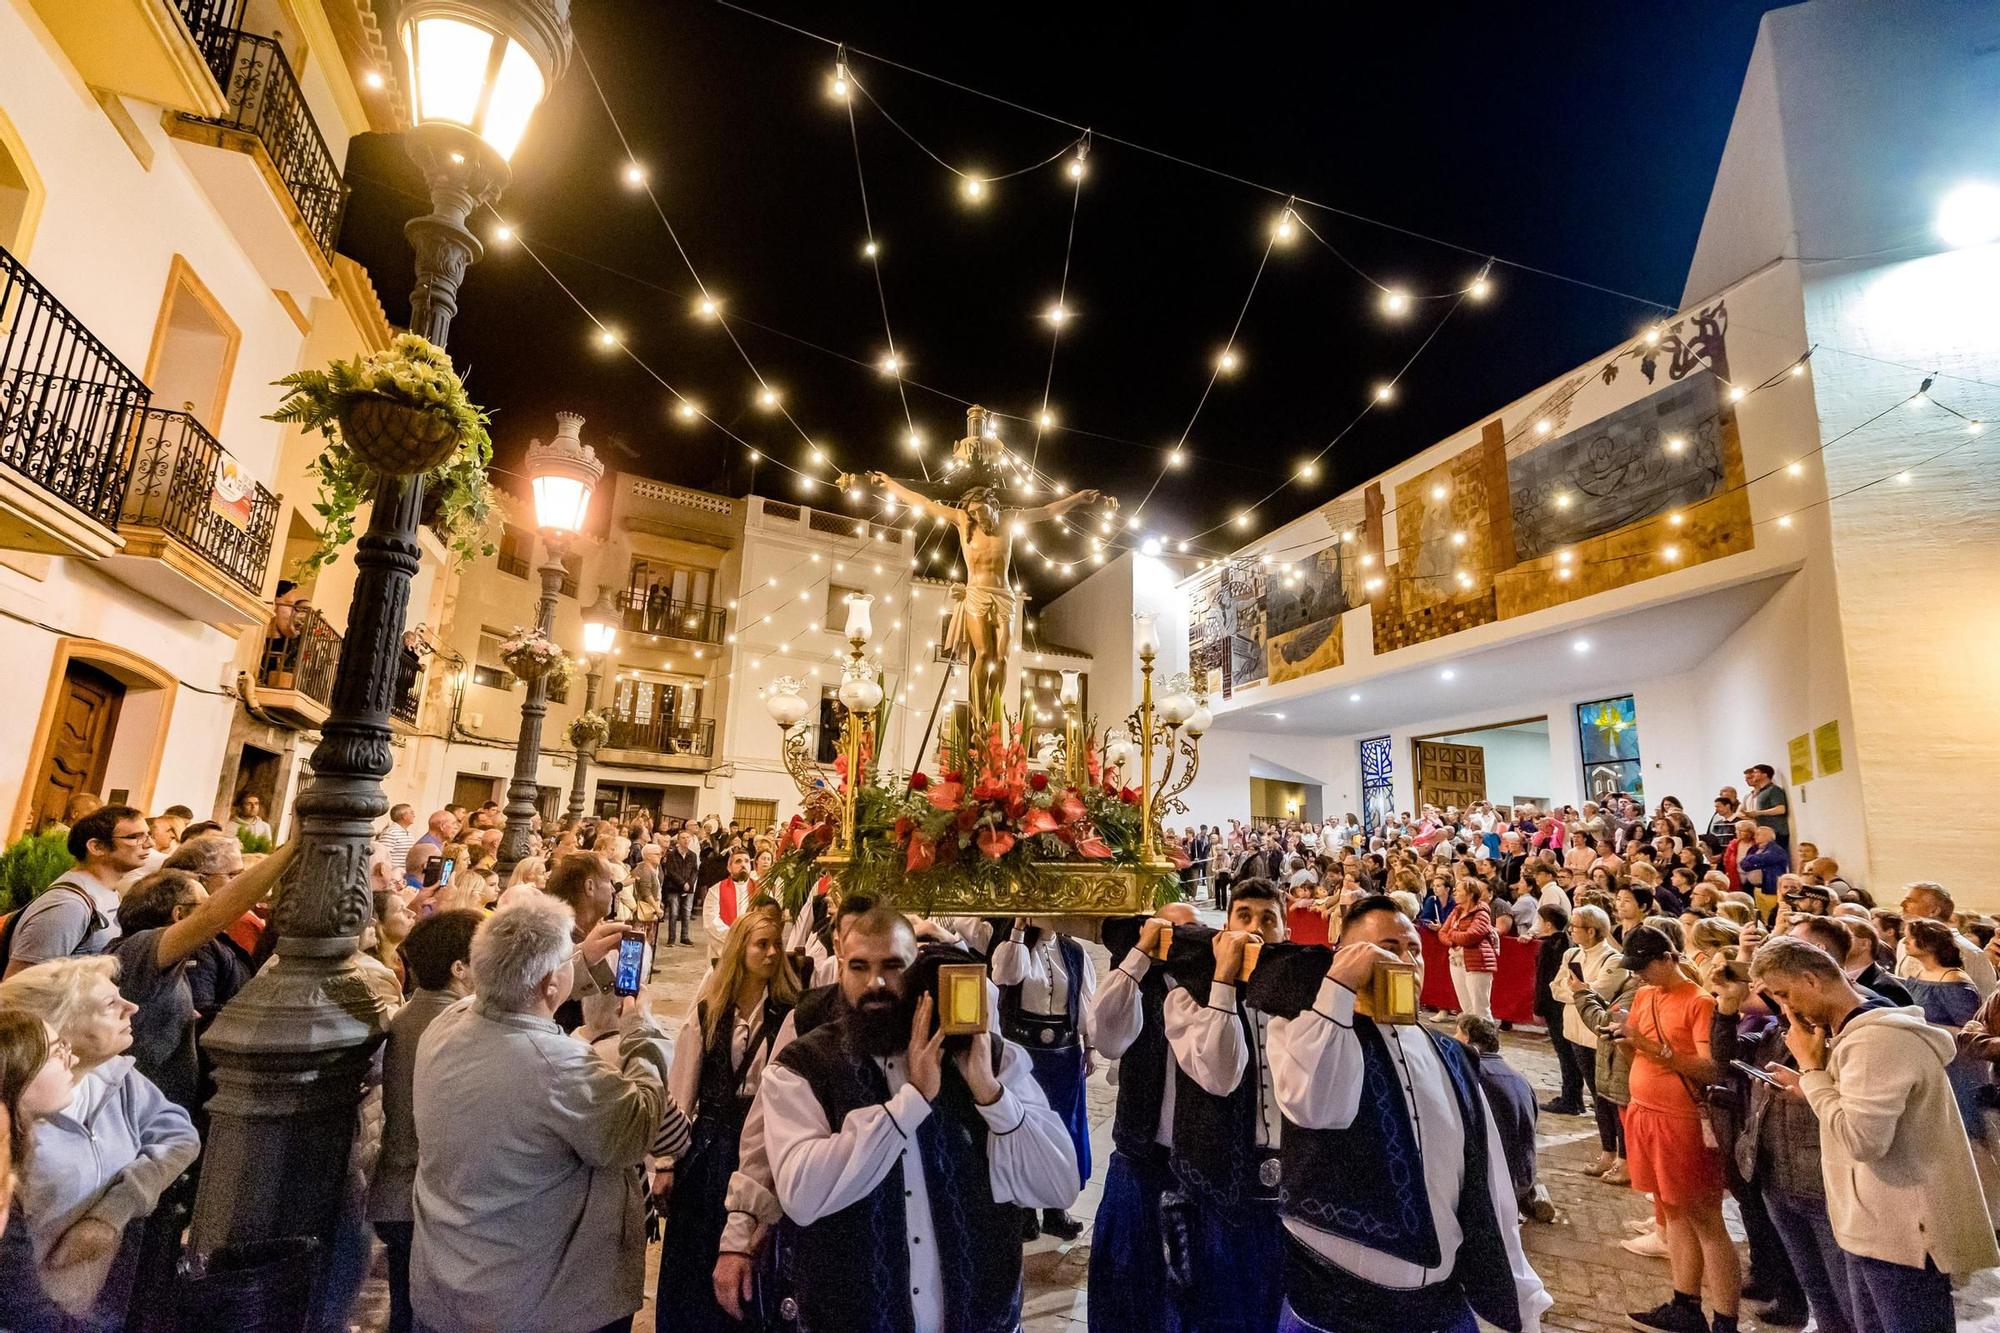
(994, 605)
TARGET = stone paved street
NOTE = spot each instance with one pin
(1594, 1282)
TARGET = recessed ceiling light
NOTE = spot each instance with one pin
(1279, 716)
(1447, 674)
(1581, 645)
(1354, 698)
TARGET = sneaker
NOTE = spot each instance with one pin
(1605, 1161)
(1617, 1175)
(1650, 1245)
(1669, 1317)
(1642, 1225)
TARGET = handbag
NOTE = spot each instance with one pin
(1696, 1092)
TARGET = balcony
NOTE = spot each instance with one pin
(197, 530)
(293, 684)
(67, 406)
(159, 51)
(266, 166)
(687, 743)
(693, 622)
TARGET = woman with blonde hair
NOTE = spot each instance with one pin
(719, 1060)
(532, 871)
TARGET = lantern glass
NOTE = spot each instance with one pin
(860, 623)
(786, 705)
(1145, 636)
(470, 76)
(598, 636)
(561, 501)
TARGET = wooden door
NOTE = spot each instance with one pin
(1450, 775)
(79, 739)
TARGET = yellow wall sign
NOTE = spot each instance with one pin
(1801, 755)
(1826, 744)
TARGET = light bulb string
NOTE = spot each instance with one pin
(1377, 283)
(984, 178)
(874, 257)
(1973, 436)
(1062, 298)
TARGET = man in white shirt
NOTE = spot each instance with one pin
(868, 1119)
(1046, 981)
(1224, 1243)
(725, 902)
(1128, 1274)
(1419, 1249)
(395, 837)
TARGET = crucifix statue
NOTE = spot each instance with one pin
(985, 605)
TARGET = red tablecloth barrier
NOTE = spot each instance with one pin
(1305, 926)
(1513, 984)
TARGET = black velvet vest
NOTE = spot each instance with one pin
(1365, 1183)
(819, 1005)
(1215, 1138)
(851, 1269)
(1143, 1072)
(1069, 955)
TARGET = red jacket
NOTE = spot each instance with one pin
(1473, 932)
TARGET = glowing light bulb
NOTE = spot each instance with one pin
(1076, 167)
(1676, 444)
(1670, 552)
(974, 189)
(1544, 426)
(1438, 492)
(607, 337)
(1795, 469)
(767, 398)
(1676, 518)
(1458, 539)
(1284, 229)
(688, 411)
(707, 307)
(1395, 301)
(892, 365)
(1784, 520)
(634, 174)
(1243, 519)
(914, 441)
(1046, 419)
(1737, 393)
(1132, 523)
(503, 233)
(1799, 369)
(1056, 313)
(1384, 392)
(817, 454)
(373, 80)
(837, 85)
(1308, 470)
(1227, 362)
(1563, 500)
(1481, 288)
(1175, 457)
(871, 250)
(1905, 478)
(1653, 336)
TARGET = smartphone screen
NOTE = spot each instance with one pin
(1756, 1073)
(631, 964)
(433, 870)
(444, 871)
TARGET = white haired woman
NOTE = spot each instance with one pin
(528, 1208)
(97, 1167)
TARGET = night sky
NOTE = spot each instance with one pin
(1577, 139)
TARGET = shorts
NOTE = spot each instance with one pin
(1669, 1159)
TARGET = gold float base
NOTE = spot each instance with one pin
(1066, 888)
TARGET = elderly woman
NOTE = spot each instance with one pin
(527, 1206)
(1475, 949)
(97, 1167)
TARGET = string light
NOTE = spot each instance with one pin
(688, 411)
(837, 85)
(607, 337)
(892, 365)
(914, 441)
(1384, 392)
(1784, 520)
(1737, 392)
(1046, 420)
(1175, 458)
(1308, 470)
(1676, 444)
(635, 175)
(503, 233)
(1562, 500)
(974, 189)
(1226, 362)
(1438, 492)
(1057, 313)
(1243, 519)
(1481, 287)
(708, 307)
(1795, 469)
(1285, 228)
(1544, 426)
(870, 249)
(767, 398)
(1395, 301)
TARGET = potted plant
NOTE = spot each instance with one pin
(402, 411)
(31, 864)
(532, 656)
(253, 844)
(589, 730)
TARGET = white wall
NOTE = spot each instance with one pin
(1517, 762)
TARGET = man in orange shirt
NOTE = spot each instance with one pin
(1670, 1154)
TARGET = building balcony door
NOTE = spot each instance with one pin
(79, 747)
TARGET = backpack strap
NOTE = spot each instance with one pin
(12, 922)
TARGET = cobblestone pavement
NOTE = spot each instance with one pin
(1594, 1282)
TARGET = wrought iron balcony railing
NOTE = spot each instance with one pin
(183, 483)
(696, 622)
(667, 736)
(66, 403)
(304, 661)
(264, 100)
(213, 25)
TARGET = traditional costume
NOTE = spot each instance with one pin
(1224, 1244)
(727, 899)
(905, 1209)
(1128, 1271)
(1046, 982)
(1398, 1210)
(713, 1082)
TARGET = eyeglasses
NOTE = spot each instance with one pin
(140, 836)
(60, 1050)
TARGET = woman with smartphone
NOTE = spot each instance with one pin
(719, 1060)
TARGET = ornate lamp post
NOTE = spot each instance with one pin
(562, 474)
(290, 1050)
(600, 633)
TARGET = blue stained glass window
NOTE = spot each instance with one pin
(1378, 800)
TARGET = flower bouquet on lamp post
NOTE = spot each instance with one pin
(988, 835)
(531, 655)
(589, 729)
(397, 412)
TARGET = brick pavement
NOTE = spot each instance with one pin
(1594, 1282)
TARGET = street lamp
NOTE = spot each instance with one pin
(562, 474)
(291, 1049)
(600, 634)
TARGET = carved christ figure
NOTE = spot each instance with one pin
(984, 607)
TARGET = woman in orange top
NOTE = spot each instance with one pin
(1667, 1141)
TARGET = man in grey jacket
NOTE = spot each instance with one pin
(528, 1203)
